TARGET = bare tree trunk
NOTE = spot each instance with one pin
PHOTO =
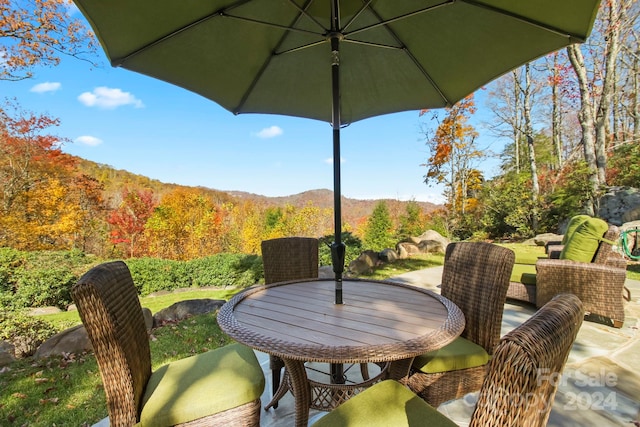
(516, 127)
(556, 117)
(535, 187)
(587, 122)
(604, 108)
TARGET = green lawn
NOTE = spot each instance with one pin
(67, 391)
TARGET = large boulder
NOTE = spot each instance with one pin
(184, 309)
(431, 241)
(619, 205)
(407, 249)
(73, 340)
(388, 255)
(364, 263)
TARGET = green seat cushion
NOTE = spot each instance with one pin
(523, 273)
(458, 354)
(583, 243)
(386, 404)
(202, 385)
(571, 227)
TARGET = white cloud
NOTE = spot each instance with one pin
(329, 160)
(270, 132)
(88, 140)
(109, 98)
(46, 87)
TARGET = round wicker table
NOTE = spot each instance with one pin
(380, 321)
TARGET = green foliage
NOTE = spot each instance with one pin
(45, 287)
(508, 206)
(223, 270)
(411, 223)
(25, 332)
(568, 197)
(378, 234)
(624, 165)
(352, 243)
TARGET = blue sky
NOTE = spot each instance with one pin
(149, 127)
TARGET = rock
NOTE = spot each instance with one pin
(36, 311)
(434, 235)
(406, 249)
(632, 215)
(184, 309)
(388, 255)
(73, 340)
(7, 353)
(431, 246)
(326, 272)
(619, 205)
(148, 318)
(359, 266)
(543, 239)
(25, 346)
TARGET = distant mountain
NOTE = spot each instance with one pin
(352, 209)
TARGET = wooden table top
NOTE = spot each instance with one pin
(379, 321)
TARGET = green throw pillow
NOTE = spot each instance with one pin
(584, 242)
(571, 227)
(458, 354)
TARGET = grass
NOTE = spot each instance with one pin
(67, 391)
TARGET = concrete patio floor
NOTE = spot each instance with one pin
(600, 384)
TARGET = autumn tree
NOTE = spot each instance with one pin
(186, 224)
(453, 155)
(38, 33)
(129, 218)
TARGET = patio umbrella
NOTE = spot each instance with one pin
(337, 61)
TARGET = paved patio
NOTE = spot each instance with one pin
(600, 385)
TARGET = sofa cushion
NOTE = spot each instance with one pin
(583, 243)
(571, 227)
(202, 385)
(458, 354)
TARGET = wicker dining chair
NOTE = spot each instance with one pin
(218, 387)
(287, 258)
(518, 389)
(475, 277)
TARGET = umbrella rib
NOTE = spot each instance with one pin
(271, 24)
(259, 74)
(117, 62)
(384, 23)
(404, 47)
(572, 37)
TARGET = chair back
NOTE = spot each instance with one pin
(476, 278)
(525, 369)
(289, 258)
(605, 248)
(110, 310)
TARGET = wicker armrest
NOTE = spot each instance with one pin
(599, 286)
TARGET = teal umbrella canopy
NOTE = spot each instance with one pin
(338, 61)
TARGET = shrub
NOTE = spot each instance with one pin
(47, 286)
(227, 270)
(25, 332)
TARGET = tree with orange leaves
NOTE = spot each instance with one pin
(37, 33)
(453, 150)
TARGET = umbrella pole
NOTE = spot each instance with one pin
(337, 248)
